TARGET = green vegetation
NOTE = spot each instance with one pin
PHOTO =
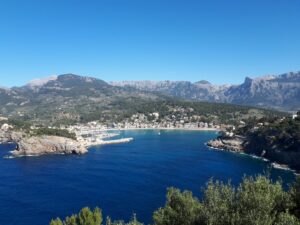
(25, 126)
(18, 124)
(274, 138)
(118, 108)
(217, 113)
(88, 217)
(210, 112)
(84, 217)
(256, 201)
(74, 99)
(53, 132)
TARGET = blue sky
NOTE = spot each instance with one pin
(219, 41)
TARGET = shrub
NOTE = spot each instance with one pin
(256, 201)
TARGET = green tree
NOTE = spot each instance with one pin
(259, 201)
(88, 217)
(84, 217)
(256, 201)
(287, 219)
(181, 208)
(295, 195)
(56, 222)
(133, 221)
(72, 220)
(219, 203)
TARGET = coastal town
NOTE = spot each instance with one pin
(77, 138)
(141, 121)
(97, 133)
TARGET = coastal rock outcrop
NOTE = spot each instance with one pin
(4, 137)
(39, 145)
(240, 144)
(9, 136)
(33, 146)
(235, 144)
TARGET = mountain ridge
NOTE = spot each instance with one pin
(280, 92)
(72, 98)
(69, 97)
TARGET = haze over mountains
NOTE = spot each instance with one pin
(280, 92)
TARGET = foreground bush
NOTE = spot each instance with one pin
(256, 201)
(84, 217)
(88, 217)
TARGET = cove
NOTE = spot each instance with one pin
(121, 179)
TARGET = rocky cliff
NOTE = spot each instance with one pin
(279, 158)
(277, 140)
(40, 145)
(235, 144)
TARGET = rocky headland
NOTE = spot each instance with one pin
(234, 144)
(243, 144)
(27, 145)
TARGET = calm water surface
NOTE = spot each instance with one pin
(121, 179)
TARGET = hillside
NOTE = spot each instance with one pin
(275, 139)
(69, 98)
(277, 92)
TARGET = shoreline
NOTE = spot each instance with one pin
(274, 165)
(164, 128)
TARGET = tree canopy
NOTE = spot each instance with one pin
(256, 201)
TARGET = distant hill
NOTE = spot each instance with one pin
(67, 97)
(70, 98)
(277, 92)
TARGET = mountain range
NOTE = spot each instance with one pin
(281, 92)
(70, 98)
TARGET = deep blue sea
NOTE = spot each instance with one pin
(121, 179)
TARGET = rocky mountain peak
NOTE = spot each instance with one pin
(292, 76)
(204, 82)
(41, 82)
(69, 76)
(78, 78)
(280, 92)
(248, 80)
